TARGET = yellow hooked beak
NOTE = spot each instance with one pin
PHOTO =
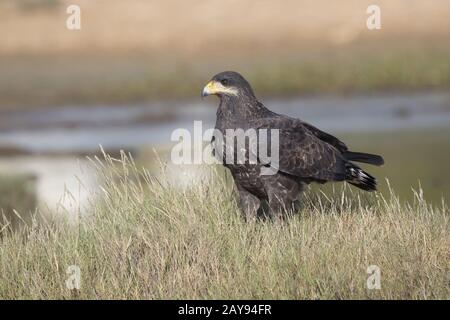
(211, 88)
(215, 87)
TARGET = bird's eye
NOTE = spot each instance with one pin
(224, 82)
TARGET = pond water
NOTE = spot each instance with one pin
(411, 131)
(114, 127)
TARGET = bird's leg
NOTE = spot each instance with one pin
(278, 205)
(249, 204)
(282, 197)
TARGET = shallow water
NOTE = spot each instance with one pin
(114, 127)
(411, 131)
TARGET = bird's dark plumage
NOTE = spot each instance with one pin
(306, 154)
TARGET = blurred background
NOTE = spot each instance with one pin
(135, 69)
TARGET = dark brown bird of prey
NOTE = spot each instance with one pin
(306, 154)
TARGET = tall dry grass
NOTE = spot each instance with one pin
(146, 238)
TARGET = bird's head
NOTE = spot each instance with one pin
(228, 83)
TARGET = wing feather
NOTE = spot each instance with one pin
(328, 138)
(303, 154)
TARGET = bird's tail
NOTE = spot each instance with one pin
(359, 178)
(364, 157)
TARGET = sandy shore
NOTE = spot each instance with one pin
(210, 27)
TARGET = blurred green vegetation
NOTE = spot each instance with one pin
(130, 78)
(17, 192)
(341, 73)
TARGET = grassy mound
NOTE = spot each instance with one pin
(146, 238)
